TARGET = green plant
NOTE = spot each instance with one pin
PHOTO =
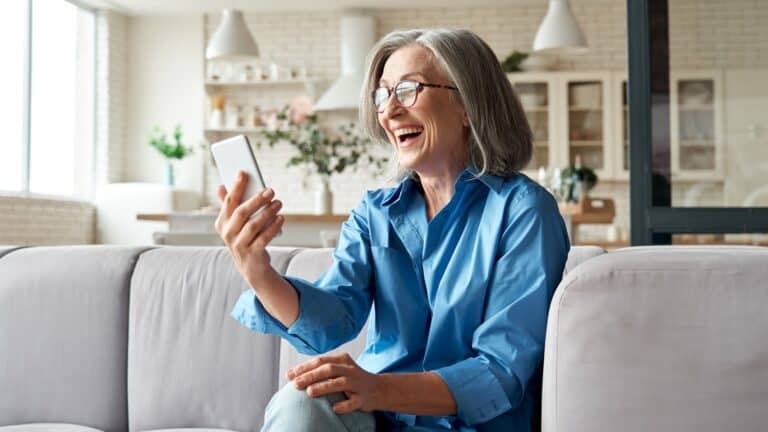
(177, 150)
(326, 153)
(513, 61)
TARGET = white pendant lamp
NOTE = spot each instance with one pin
(232, 40)
(559, 32)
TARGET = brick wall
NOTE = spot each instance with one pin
(45, 221)
(704, 34)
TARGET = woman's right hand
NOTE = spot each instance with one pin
(246, 237)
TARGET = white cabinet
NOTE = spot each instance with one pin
(696, 118)
(569, 113)
(537, 93)
(586, 113)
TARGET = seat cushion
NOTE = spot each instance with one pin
(659, 339)
(189, 363)
(64, 335)
(47, 427)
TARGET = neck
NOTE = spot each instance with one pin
(438, 188)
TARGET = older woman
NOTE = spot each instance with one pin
(459, 260)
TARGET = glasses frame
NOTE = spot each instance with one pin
(393, 91)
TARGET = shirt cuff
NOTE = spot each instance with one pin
(321, 325)
(478, 393)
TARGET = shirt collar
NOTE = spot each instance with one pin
(491, 181)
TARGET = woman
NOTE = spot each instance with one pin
(459, 261)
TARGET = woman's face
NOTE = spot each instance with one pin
(430, 135)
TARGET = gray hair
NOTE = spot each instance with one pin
(500, 140)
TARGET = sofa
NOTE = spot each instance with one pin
(119, 338)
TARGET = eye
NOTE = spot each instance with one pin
(380, 95)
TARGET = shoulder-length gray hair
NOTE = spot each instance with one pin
(500, 139)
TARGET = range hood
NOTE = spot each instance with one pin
(357, 38)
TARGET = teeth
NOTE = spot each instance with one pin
(405, 131)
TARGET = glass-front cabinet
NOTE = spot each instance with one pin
(695, 118)
(587, 122)
(569, 114)
(536, 94)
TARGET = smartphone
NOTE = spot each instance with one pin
(233, 155)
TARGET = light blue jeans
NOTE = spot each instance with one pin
(292, 410)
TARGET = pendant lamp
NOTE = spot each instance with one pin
(559, 32)
(232, 40)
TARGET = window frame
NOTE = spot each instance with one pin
(652, 218)
(26, 152)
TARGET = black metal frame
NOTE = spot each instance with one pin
(652, 219)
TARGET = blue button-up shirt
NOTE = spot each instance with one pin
(464, 295)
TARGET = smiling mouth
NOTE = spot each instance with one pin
(408, 136)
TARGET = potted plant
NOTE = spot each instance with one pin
(325, 153)
(176, 150)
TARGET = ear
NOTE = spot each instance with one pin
(464, 119)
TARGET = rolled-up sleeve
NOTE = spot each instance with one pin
(510, 341)
(332, 309)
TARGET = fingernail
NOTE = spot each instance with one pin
(241, 175)
(266, 192)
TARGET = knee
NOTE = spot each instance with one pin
(293, 409)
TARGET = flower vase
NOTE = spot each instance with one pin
(323, 198)
(169, 174)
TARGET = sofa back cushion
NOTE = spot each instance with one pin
(64, 335)
(659, 338)
(189, 363)
(311, 263)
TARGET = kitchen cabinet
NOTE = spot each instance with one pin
(696, 118)
(569, 113)
(586, 113)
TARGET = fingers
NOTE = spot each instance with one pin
(317, 362)
(319, 374)
(354, 403)
(269, 233)
(243, 212)
(235, 195)
(333, 385)
(256, 225)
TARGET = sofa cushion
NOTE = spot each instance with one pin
(63, 334)
(659, 338)
(47, 427)
(309, 264)
(189, 363)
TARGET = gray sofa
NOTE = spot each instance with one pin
(139, 339)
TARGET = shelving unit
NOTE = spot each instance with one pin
(587, 113)
(250, 99)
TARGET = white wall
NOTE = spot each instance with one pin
(164, 83)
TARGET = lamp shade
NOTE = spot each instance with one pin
(232, 40)
(559, 32)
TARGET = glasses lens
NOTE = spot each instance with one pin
(380, 96)
(406, 92)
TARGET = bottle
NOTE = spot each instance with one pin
(542, 176)
(578, 180)
(557, 184)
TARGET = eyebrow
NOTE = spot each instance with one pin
(408, 75)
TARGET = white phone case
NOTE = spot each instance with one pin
(233, 155)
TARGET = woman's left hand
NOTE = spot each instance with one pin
(337, 373)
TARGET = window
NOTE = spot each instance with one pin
(698, 98)
(13, 31)
(50, 114)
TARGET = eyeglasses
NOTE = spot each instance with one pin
(405, 92)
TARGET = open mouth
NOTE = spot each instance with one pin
(407, 136)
